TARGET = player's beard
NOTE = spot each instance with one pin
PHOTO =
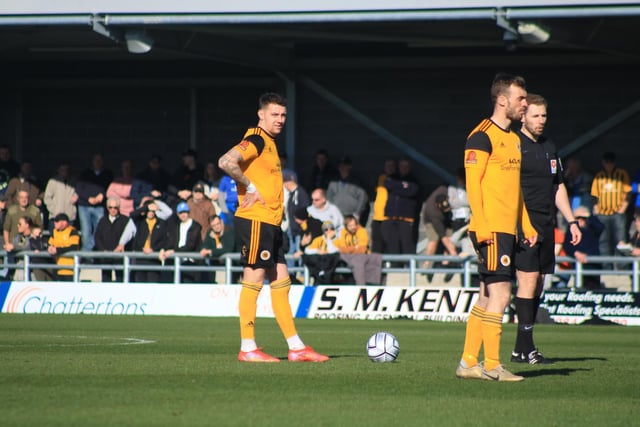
(515, 114)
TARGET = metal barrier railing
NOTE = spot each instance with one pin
(413, 265)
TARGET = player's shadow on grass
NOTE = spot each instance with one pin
(331, 356)
(578, 359)
(547, 372)
(341, 356)
(357, 356)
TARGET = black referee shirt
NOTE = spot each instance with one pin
(540, 174)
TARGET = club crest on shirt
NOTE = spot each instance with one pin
(505, 260)
(265, 255)
(471, 158)
(243, 145)
(554, 166)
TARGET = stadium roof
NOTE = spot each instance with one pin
(276, 6)
(288, 36)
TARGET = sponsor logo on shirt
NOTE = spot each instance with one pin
(471, 158)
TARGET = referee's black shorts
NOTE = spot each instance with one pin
(261, 244)
(541, 257)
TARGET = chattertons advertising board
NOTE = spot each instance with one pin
(130, 299)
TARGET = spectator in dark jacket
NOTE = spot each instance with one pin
(151, 237)
(310, 228)
(188, 173)
(218, 241)
(92, 189)
(184, 237)
(153, 177)
(323, 171)
(113, 233)
(296, 198)
(401, 211)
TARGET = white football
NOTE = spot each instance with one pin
(382, 347)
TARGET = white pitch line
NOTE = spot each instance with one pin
(124, 341)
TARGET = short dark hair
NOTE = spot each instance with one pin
(27, 220)
(271, 98)
(502, 82)
(301, 214)
(535, 99)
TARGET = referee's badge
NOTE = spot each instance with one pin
(554, 166)
(505, 260)
(265, 255)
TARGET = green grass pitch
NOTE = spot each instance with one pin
(182, 371)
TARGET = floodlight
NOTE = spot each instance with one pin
(532, 33)
(138, 41)
(525, 32)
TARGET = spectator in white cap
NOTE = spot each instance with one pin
(184, 237)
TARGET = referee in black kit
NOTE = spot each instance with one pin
(543, 190)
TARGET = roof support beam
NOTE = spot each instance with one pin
(377, 129)
(599, 130)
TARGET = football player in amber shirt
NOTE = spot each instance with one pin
(492, 164)
(255, 166)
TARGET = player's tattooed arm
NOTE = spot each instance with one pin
(230, 163)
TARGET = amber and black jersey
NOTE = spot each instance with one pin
(492, 163)
(261, 166)
(610, 190)
(65, 241)
(540, 174)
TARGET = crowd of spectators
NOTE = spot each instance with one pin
(153, 212)
(326, 222)
(161, 214)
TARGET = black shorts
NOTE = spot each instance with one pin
(541, 257)
(261, 244)
(495, 261)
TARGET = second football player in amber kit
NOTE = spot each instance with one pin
(255, 165)
(492, 163)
